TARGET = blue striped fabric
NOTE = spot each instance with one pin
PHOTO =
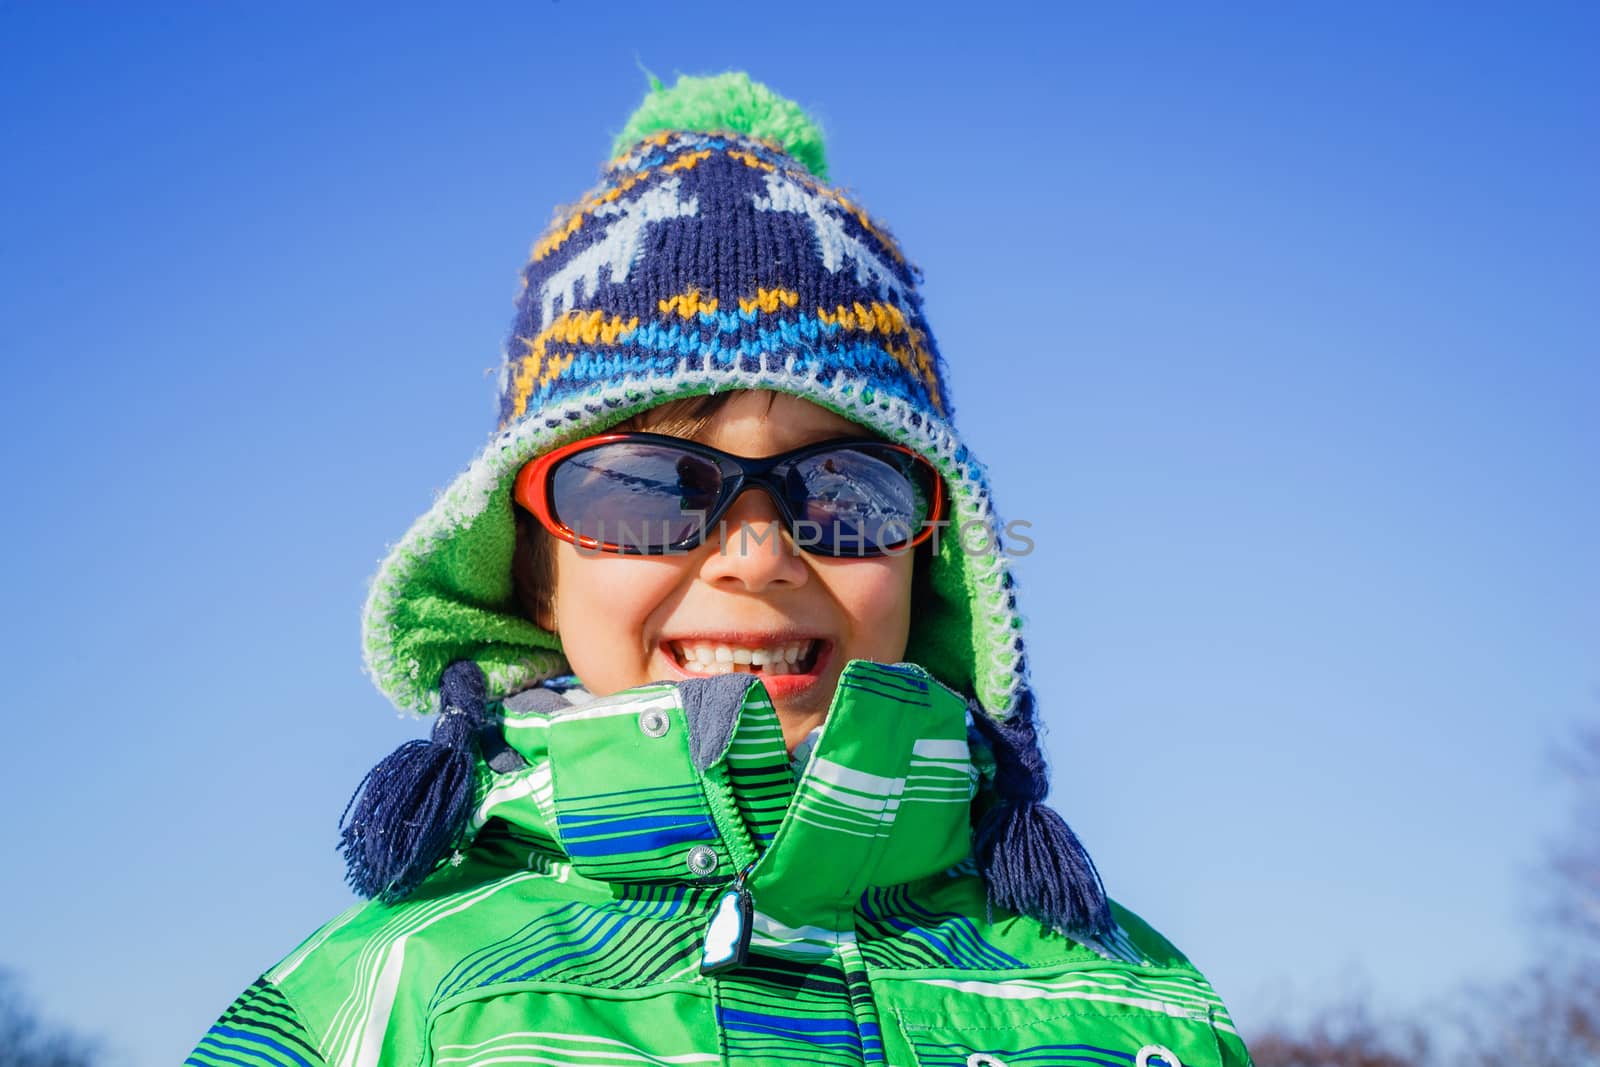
(260, 1029)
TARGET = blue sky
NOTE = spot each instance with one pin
(1279, 326)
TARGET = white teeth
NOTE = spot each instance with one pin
(705, 657)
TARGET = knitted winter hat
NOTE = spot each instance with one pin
(713, 256)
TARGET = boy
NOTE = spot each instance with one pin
(735, 760)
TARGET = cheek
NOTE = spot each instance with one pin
(602, 605)
(876, 595)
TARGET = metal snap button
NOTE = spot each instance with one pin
(702, 860)
(983, 1059)
(654, 723)
(1150, 1052)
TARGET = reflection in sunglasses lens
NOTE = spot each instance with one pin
(862, 500)
(853, 500)
(635, 494)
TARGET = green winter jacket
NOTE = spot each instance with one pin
(575, 926)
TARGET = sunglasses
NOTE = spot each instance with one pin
(651, 494)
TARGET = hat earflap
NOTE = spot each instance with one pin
(1031, 861)
(415, 803)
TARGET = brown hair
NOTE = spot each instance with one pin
(533, 563)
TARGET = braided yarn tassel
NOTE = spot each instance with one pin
(414, 805)
(1031, 860)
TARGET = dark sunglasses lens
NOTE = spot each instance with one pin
(638, 495)
(861, 500)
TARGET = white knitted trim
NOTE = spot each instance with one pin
(1001, 667)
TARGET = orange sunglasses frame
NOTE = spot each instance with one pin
(531, 489)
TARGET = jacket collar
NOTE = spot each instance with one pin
(691, 783)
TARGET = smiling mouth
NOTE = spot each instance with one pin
(717, 657)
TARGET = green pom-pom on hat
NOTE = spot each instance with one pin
(731, 101)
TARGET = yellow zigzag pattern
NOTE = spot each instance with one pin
(819, 189)
(563, 229)
(662, 138)
(866, 222)
(687, 305)
(768, 300)
(538, 367)
(889, 321)
(752, 161)
(535, 370)
(658, 139)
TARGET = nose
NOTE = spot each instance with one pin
(751, 550)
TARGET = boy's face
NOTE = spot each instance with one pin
(628, 620)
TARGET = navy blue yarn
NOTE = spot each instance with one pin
(727, 250)
(1032, 862)
(413, 806)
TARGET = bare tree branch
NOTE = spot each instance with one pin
(1347, 1034)
(1573, 892)
(1548, 1017)
(27, 1041)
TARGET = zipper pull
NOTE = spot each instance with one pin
(727, 943)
